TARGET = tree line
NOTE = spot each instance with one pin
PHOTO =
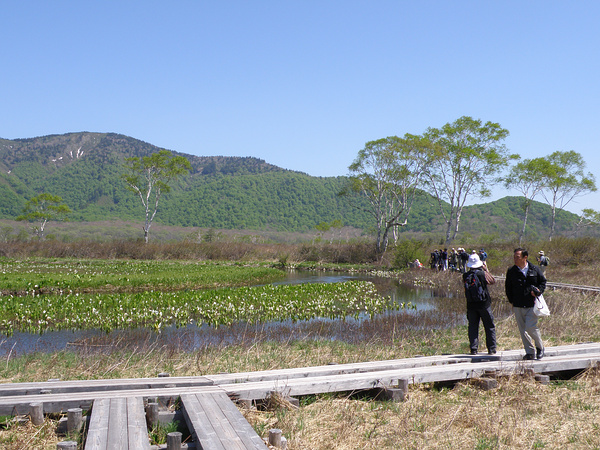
(416, 182)
(454, 163)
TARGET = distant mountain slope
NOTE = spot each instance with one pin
(220, 192)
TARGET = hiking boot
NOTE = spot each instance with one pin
(473, 352)
(539, 353)
(491, 352)
(528, 357)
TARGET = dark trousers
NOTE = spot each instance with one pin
(483, 313)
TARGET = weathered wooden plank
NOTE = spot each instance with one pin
(57, 387)
(97, 436)
(351, 382)
(53, 403)
(407, 363)
(117, 424)
(199, 424)
(244, 430)
(218, 421)
(137, 430)
(215, 422)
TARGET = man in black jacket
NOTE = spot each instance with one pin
(524, 281)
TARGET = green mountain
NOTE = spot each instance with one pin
(220, 192)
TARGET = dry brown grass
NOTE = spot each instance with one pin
(17, 436)
(519, 414)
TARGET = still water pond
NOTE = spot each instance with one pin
(193, 337)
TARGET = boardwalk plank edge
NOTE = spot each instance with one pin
(372, 366)
(389, 378)
(321, 379)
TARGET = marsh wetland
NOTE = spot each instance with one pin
(234, 328)
(46, 312)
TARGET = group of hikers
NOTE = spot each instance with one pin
(455, 259)
(523, 284)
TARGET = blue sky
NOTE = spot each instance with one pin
(304, 84)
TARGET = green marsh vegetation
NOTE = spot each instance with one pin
(48, 295)
(519, 414)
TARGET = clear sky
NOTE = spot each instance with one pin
(303, 84)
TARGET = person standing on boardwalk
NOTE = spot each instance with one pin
(525, 281)
(479, 306)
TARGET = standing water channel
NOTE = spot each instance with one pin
(192, 337)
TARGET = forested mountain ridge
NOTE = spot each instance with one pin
(58, 151)
(220, 192)
(85, 170)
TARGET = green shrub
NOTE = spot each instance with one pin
(406, 252)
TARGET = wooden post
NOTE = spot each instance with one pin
(174, 441)
(275, 437)
(403, 384)
(397, 394)
(36, 412)
(152, 414)
(67, 445)
(394, 394)
(487, 384)
(166, 401)
(74, 419)
(542, 379)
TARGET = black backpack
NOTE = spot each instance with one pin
(474, 290)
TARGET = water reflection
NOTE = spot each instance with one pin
(193, 337)
(422, 298)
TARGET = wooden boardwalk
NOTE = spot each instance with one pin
(118, 424)
(216, 423)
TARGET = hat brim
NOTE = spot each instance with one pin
(476, 265)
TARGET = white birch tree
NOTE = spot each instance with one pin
(528, 177)
(565, 179)
(467, 156)
(388, 172)
(148, 177)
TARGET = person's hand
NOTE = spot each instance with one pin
(535, 291)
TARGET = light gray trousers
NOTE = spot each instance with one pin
(530, 333)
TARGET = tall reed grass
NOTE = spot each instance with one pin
(340, 253)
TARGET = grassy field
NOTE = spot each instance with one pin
(520, 414)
